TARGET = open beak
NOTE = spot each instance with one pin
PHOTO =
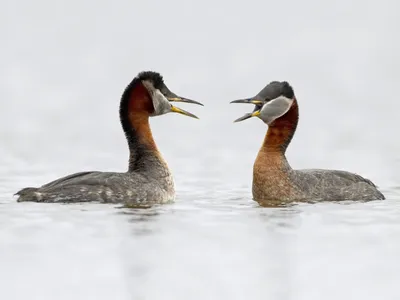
(256, 112)
(171, 97)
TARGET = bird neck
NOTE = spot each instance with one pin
(280, 132)
(143, 151)
(135, 109)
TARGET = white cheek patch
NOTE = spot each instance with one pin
(160, 103)
(275, 108)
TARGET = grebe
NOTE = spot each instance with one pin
(148, 179)
(273, 177)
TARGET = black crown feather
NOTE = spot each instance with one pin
(154, 77)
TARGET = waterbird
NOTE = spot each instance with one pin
(148, 179)
(273, 177)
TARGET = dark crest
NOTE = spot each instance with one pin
(275, 89)
(151, 76)
(287, 90)
(154, 77)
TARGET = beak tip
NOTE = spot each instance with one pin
(184, 100)
(182, 112)
(248, 101)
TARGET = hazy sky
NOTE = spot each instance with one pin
(66, 63)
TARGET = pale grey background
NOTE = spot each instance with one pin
(64, 65)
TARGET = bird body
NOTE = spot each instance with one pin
(148, 179)
(273, 177)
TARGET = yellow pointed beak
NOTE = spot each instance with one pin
(182, 112)
(248, 116)
(185, 100)
(249, 101)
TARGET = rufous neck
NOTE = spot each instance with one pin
(140, 126)
(135, 110)
(280, 132)
(143, 151)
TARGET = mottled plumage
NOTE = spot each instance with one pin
(273, 177)
(132, 189)
(148, 179)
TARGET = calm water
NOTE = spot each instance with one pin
(213, 243)
(63, 70)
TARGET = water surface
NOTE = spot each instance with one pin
(64, 68)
